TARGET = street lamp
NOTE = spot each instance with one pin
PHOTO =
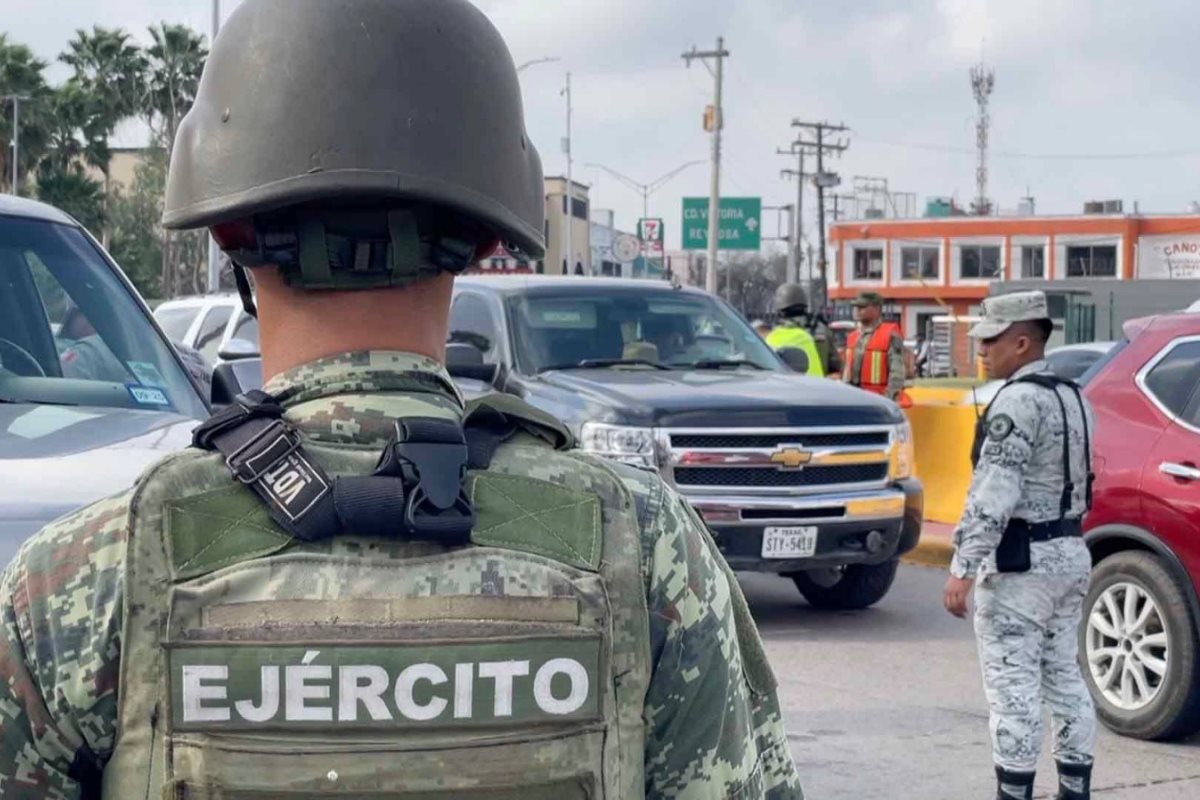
(645, 189)
(528, 64)
(16, 100)
(214, 250)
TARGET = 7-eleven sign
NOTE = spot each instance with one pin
(650, 232)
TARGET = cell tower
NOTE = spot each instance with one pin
(983, 80)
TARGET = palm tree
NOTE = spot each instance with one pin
(21, 74)
(111, 69)
(72, 112)
(175, 61)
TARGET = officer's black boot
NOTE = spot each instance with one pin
(1074, 781)
(1014, 785)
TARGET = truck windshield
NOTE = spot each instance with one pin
(72, 334)
(572, 328)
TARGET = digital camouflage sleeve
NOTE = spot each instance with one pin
(714, 728)
(60, 629)
(1012, 430)
(897, 366)
(713, 724)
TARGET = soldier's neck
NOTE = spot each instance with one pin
(298, 327)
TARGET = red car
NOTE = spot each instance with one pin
(1140, 641)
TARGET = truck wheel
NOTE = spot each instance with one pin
(852, 587)
(1141, 657)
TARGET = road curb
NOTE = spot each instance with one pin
(932, 550)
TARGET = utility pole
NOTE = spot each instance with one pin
(824, 180)
(796, 252)
(570, 204)
(16, 140)
(718, 122)
(214, 251)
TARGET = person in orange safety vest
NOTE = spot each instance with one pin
(875, 354)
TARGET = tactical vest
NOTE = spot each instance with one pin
(1012, 553)
(794, 335)
(257, 665)
(873, 373)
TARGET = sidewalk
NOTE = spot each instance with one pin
(936, 546)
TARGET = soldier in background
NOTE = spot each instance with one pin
(798, 328)
(875, 353)
(1020, 545)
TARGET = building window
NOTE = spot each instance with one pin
(579, 208)
(1092, 261)
(868, 264)
(980, 262)
(919, 263)
(1033, 261)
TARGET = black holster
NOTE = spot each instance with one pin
(1013, 552)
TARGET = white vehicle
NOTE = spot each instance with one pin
(214, 325)
(1070, 361)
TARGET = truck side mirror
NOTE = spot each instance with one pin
(463, 354)
(233, 378)
(795, 358)
(465, 360)
(237, 349)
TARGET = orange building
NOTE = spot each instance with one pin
(947, 265)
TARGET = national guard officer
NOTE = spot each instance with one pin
(798, 328)
(352, 586)
(1020, 542)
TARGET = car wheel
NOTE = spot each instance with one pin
(1141, 657)
(851, 587)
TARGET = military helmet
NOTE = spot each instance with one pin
(358, 144)
(790, 296)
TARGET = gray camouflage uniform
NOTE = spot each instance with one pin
(1027, 623)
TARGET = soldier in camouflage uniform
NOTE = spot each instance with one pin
(1020, 543)
(487, 613)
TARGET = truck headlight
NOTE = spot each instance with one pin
(618, 442)
(903, 454)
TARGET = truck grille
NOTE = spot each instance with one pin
(734, 441)
(775, 478)
(771, 461)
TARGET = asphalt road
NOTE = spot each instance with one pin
(887, 704)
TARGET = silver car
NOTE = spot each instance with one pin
(91, 392)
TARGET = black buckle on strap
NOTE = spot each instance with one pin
(432, 457)
(265, 449)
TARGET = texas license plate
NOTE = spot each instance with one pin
(792, 542)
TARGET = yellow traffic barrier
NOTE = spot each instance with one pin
(943, 421)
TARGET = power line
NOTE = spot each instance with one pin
(824, 180)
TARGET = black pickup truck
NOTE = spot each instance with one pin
(800, 476)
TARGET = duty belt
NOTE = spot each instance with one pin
(1046, 531)
(417, 490)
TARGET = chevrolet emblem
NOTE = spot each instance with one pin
(791, 458)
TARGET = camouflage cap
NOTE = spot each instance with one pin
(868, 299)
(999, 313)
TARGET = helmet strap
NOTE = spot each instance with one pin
(243, 287)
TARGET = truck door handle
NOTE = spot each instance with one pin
(1181, 471)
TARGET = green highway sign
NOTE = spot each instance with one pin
(740, 224)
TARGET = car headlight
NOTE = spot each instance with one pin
(618, 442)
(903, 453)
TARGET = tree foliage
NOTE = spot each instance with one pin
(66, 158)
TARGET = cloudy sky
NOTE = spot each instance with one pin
(1094, 99)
